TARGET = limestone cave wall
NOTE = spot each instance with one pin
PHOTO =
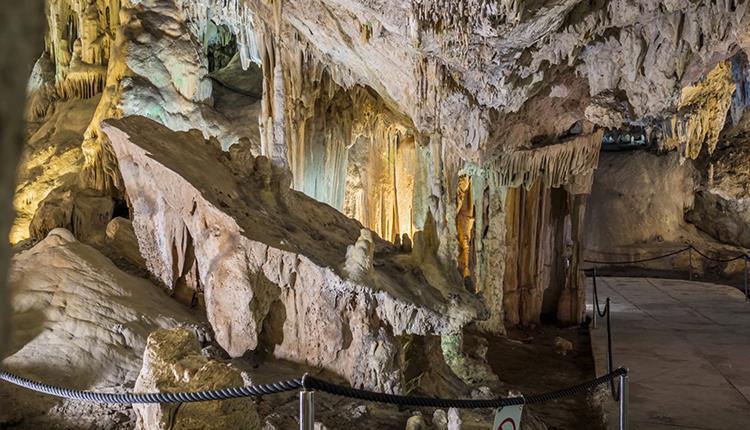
(397, 113)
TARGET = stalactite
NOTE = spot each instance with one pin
(701, 114)
(234, 14)
(82, 84)
(80, 29)
(556, 164)
(462, 17)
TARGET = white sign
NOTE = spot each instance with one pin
(508, 418)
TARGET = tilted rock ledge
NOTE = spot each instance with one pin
(271, 264)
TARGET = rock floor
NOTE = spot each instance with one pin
(687, 346)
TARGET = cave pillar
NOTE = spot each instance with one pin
(491, 253)
(440, 171)
(534, 228)
(572, 303)
(510, 279)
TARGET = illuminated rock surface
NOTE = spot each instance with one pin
(172, 362)
(272, 266)
(81, 322)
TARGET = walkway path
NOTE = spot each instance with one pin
(687, 345)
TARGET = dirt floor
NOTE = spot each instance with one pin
(528, 360)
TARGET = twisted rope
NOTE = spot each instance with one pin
(129, 398)
(307, 383)
(436, 402)
(718, 260)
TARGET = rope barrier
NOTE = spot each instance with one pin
(306, 382)
(690, 249)
(719, 260)
(130, 398)
(670, 254)
(435, 402)
(643, 260)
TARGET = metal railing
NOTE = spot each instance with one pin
(690, 249)
(621, 395)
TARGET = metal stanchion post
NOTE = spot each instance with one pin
(746, 296)
(690, 261)
(596, 303)
(624, 404)
(306, 410)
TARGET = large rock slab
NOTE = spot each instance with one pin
(172, 362)
(80, 322)
(272, 264)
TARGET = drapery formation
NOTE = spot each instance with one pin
(529, 207)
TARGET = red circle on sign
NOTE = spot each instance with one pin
(507, 421)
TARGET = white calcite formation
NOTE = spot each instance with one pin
(79, 322)
(272, 264)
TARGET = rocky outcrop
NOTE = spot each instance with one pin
(172, 362)
(83, 212)
(158, 68)
(722, 202)
(52, 159)
(120, 236)
(268, 261)
(82, 323)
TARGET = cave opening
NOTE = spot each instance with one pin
(220, 44)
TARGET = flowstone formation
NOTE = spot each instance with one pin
(81, 322)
